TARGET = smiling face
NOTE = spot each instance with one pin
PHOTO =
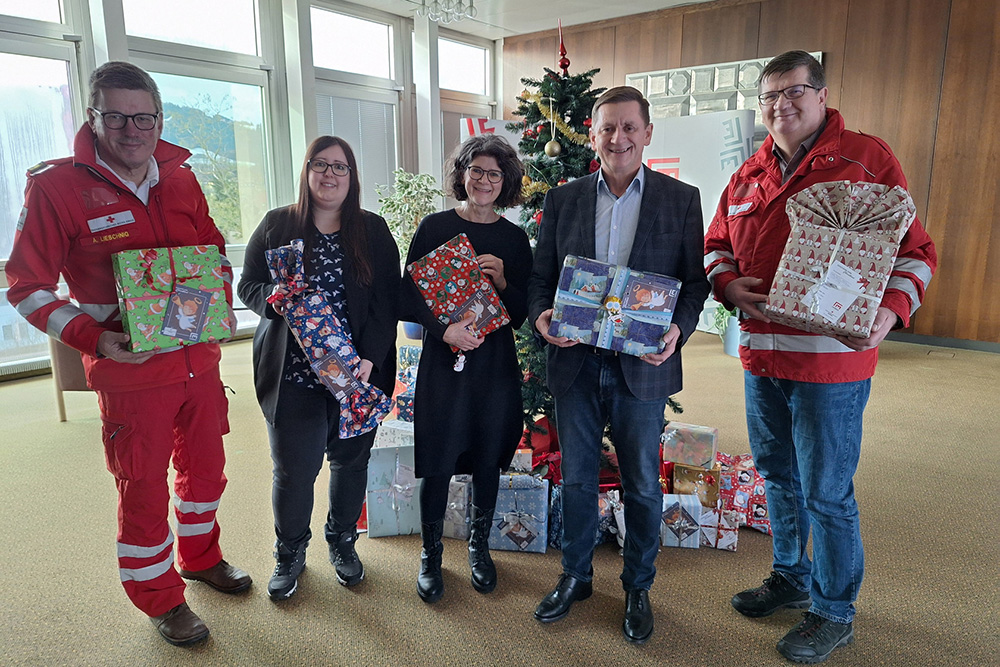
(790, 122)
(482, 193)
(618, 134)
(127, 151)
(328, 191)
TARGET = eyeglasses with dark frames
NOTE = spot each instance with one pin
(492, 175)
(117, 121)
(320, 167)
(770, 98)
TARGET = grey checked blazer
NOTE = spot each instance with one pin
(669, 240)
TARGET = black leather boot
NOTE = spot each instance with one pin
(430, 585)
(484, 572)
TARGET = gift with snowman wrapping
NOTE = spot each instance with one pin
(453, 284)
(613, 307)
(839, 255)
(171, 296)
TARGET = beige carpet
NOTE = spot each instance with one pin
(927, 489)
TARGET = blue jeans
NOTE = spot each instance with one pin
(598, 396)
(806, 440)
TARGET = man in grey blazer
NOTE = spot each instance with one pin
(623, 214)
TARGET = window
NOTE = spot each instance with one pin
(226, 25)
(351, 44)
(462, 67)
(222, 124)
(41, 10)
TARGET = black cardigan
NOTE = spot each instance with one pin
(371, 311)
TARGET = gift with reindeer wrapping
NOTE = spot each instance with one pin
(689, 444)
(521, 519)
(457, 513)
(613, 307)
(840, 252)
(171, 296)
(681, 522)
(452, 284)
(326, 343)
(392, 500)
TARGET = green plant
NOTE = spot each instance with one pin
(406, 202)
(720, 319)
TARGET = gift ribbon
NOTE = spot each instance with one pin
(403, 484)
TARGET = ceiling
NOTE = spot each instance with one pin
(505, 18)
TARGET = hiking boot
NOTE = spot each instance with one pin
(346, 563)
(290, 563)
(775, 593)
(814, 639)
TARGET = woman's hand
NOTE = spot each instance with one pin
(279, 303)
(459, 335)
(365, 370)
(493, 267)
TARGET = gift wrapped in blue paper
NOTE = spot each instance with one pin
(409, 355)
(456, 514)
(392, 498)
(681, 525)
(521, 519)
(404, 402)
(613, 307)
(326, 343)
(605, 518)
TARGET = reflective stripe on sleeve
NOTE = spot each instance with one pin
(186, 507)
(716, 255)
(59, 318)
(917, 268)
(792, 343)
(36, 300)
(189, 529)
(149, 572)
(135, 551)
(102, 312)
(905, 285)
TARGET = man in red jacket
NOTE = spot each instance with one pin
(124, 189)
(806, 393)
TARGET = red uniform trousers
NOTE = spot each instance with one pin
(143, 431)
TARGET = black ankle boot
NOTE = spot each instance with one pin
(484, 573)
(430, 585)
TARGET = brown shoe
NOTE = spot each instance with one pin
(180, 626)
(222, 577)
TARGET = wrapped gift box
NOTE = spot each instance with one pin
(521, 520)
(453, 284)
(840, 251)
(457, 514)
(700, 482)
(719, 528)
(362, 524)
(613, 307)
(689, 444)
(392, 499)
(521, 463)
(741, 490)
(327, 345)
(681, 525)
(394, 433)
(171, 296)
(605, 516)
(408, 355)
(404, 406)
(618, 511)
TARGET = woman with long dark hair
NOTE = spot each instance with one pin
(467, 418)
(351, 257)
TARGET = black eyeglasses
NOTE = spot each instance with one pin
(116, 121)
(770, 98)
(320, 167)
(493, 175)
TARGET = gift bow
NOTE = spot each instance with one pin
(159, 283)
(403, 484)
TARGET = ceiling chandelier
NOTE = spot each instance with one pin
(446, 11)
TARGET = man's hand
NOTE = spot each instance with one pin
(542, 325)
(365, 370)
(670, 338)
(739, 293)
(493, 267)
(459, 335)
(115, 346)
(885, 320)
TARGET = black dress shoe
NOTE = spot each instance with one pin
(557, 603)
(638, 624)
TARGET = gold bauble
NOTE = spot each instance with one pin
(525, 180)
(553, 149)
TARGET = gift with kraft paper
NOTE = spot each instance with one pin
(700, 482)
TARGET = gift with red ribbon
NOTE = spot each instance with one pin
(171, 296)
(326, 343)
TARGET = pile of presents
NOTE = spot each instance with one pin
(708, 494)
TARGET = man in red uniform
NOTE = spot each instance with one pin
(124, 189)
(806, 393)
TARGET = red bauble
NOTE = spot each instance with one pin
(540, 128)
(594, 166)
(564, 63)
(562, 181)
(537, 217)
(586, 122)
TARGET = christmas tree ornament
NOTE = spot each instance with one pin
(563, 60)
(525, 180)
(553, 149)
(586, 122)
(594, 166)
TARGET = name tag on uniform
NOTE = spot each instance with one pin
(110, 221)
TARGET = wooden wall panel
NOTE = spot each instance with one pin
(964, 298)
(590, 49)
(525, 57)
(647, 46)
(810, 26)
(720, 35)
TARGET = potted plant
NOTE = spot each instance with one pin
(404, 204)
(726, 323)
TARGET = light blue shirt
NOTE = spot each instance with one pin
(616, 219)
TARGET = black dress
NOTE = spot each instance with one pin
(475, 414)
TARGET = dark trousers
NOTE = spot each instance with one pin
(305, 427)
